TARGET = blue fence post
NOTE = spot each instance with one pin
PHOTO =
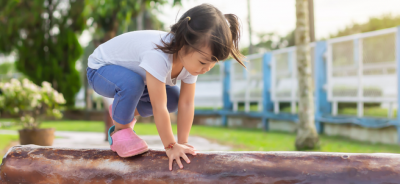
(245, 70)
(398, 82)
(267, 102)
(322, 106)
(226, 91)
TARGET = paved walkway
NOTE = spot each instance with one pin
(96, 140)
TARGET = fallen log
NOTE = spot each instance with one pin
(42, 164)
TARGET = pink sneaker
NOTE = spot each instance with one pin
(125, 142)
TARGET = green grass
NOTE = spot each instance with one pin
(258, 140)
(368, 111)
(80, 126)
(289, 109)
(240, 139)
(207, 108)
(371, 111)
(241, 107)
(5, 140)
(253, 107)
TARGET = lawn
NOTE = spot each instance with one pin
(5, 140)
(82, 126)
(352, 111)
(239, 139)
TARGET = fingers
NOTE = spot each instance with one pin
(191, 151)
(179, 162)
(189, 145)
(186, 158)
(180, 154)
(170, 163)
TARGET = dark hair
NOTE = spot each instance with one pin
(206, 26)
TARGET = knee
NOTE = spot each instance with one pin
(134, 83)
(89, 75)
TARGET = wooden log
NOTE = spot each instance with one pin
(36, 164)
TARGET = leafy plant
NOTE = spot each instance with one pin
(28, 103)
(44, 36)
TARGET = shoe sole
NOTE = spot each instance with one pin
(130, 155)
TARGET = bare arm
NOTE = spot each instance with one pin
(158, 100)
(185, 111)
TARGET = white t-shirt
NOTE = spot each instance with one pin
(136, 51)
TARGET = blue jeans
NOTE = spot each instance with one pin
(129, 92)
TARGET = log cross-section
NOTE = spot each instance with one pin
(36, 164)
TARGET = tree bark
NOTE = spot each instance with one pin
(39, 164)
(249, 25)
(140, 17)
(307, 136)
(311, 20)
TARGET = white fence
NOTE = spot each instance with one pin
(284, 77)
(209, 88)
(362, 68)
(247, 85)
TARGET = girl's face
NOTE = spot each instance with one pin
(195, 62)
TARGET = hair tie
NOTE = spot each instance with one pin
(188, 17)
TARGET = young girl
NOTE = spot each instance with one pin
(139, 70)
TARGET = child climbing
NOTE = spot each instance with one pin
(139, 69)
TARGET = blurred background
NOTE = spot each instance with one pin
(354, 53)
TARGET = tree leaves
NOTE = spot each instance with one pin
(27, 27)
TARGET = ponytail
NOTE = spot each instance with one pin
(235, 31)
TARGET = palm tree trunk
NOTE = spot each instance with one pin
(249, 25)
(311, 20)
(307, 136)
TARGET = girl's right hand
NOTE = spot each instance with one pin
(178, 151)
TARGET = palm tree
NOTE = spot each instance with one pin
(249, 24)
(307, 136)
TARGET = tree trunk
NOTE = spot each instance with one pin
(311, 20)
(307, 136)
(140, 17)
(39, 164)
(249, 25)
